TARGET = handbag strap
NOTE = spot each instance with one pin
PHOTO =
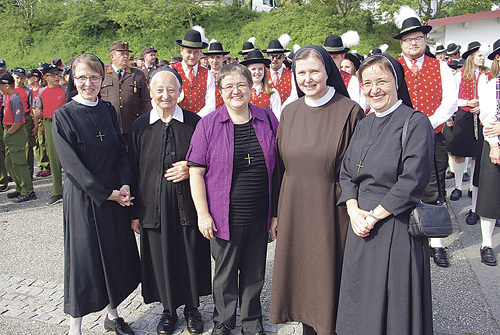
(403, 141)
(269, 119)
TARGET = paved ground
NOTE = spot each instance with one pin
(466, 295)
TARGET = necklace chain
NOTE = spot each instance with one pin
(99, 134)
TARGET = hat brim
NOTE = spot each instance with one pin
(51, 70)
(19, 73)
(192, 45)
(216, 52)
(494, 53)
(122, 50)
(270, 51)
(470, 52)
(355, 60)
(336, 50)
(425, 29)
(264, 61)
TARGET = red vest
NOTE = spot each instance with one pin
(346, 78)
(263, 100)
(425, 87)
(23, 95)
(52, 99)
(194, 95)
(218, 97)
(284, 86)
(8, 113)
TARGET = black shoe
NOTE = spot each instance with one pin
(450, 175)
(166, 325)
(455, 194)
(118, 325)
(13, 194)
(497, 223)
(9, 179)
(440, 257)
(194, 322)
(4, 188)
(465, 177)
(471, 218)
(488, 256)
(23, 198)
(469, 193)
(221, 329)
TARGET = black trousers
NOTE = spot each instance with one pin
(240, 266)
(441, 156)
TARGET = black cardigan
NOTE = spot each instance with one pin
(146, 155)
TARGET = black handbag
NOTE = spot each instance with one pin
(428, 220)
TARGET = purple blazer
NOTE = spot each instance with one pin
(212, 145)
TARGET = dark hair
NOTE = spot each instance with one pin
(378, 60)
(231, 68)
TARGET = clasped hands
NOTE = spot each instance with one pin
(122, 196)
(361, 221)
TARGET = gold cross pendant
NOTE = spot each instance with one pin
(249, 158)
(360, 165)
(100, 135)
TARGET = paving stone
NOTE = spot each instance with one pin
(27, 282)
(22, 289)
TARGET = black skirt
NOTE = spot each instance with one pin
(463, 142)
(488, 196)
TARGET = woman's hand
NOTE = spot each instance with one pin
(495, 154)
(357, 217)
(273, 227)
(135, 225)
(122, 196)
(206, 226)
(178, 172)
(493, 129)
(475, 110)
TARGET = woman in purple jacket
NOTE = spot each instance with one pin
(231, 161)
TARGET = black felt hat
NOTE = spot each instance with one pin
(471, 48)
(215, 48)
(496, 50)
(247, 47)
(452, 49)
(453, 64)
(461, 63)
(355, 58)
(192, 40)
(411, 25)
(440, 49)
(275, 47)
(334, 45)
(255, 56)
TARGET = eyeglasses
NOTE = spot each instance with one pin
(83, 79)
(417, 39)
(231, 87)
(368, 85)
(275, 56)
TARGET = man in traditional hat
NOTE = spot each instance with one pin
(215, 54)
(247, 47)
(281, 79)
(198, 84)
(204, 61)
(440, 52)
(125, 87)
(149, 55)
(432, 91)
(453, 52)
(335, 47)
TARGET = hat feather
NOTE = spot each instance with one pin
(201, 30)
(284, 40)
(296, 48)
(485, 49)
(252, 40)
(212, 41)
(405, 12)
(350, 38)
(384, 47)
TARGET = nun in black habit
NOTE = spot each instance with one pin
(101, 260)
(175, 256)
(385, 287)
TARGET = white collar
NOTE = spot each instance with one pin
(420, 61)
(257, 89)
(390, 110)
(321, 101)
(280, 71)
(154, 116)
(78, 98)
(185, 67)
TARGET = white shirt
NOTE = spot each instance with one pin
(275, 101)
(155, 116)
(209, 96)
(488, 105)
(449, 99)
(321, 101)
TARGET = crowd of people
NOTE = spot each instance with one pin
(209, 155)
